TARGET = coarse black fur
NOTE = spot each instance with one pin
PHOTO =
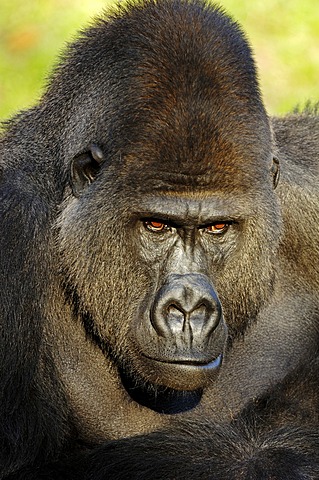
(158, 262)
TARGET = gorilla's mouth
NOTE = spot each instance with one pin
(195, 363)
(185, 373)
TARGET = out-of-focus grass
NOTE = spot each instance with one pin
(284, 35)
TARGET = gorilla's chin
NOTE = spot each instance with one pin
(159, 398)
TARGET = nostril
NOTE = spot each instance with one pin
(199, 318)
(175, 317)
(201, 313)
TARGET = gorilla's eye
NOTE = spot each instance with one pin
(156, 226)
(217, 228)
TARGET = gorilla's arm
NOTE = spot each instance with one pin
(254, 446)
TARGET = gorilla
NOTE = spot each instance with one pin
(158, 262)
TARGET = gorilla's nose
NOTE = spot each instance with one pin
(186, 308)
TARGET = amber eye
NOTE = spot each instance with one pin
(217, 228)
(156, 226)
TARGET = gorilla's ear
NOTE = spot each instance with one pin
(84, 169)
(275, 170)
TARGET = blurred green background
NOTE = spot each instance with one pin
(284, 35)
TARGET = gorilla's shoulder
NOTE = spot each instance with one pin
(297, 136)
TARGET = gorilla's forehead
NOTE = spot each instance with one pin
(194, 207)
(216, 178)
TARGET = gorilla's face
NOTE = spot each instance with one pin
(178, 331)
(153, 269)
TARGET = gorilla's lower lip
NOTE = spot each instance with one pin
(210, 365)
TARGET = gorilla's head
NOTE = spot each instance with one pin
(169, 227)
